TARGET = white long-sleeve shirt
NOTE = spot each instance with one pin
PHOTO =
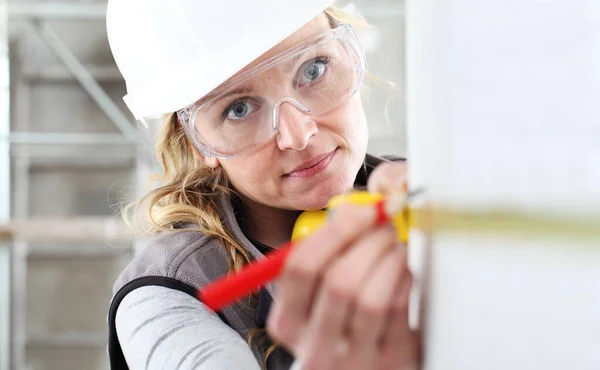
(161, 328)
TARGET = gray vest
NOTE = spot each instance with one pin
(187, 260)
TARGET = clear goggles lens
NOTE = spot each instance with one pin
(314, 77)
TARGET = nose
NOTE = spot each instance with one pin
(294, 124)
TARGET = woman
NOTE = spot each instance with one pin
(283, 132)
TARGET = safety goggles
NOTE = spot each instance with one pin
(314, 77)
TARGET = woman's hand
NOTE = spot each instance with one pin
(388, 177)
(343, 296)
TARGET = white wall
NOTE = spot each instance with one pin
(503, 131)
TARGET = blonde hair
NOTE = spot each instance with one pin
(191, 189)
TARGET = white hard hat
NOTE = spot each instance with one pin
(173, 52)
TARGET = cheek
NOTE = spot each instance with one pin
(353, 124)
(248, 175)
(238, 172)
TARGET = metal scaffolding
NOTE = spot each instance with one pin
(87, 81)
(16, 235)
(37, 14)
(5, 245)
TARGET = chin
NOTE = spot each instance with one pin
(318, 196)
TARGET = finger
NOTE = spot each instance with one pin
(374, 304)
(398, 315)
(304, 268)
(348, 274)
(400, 344)
(325, 332)
(339, 292)
(388, 176)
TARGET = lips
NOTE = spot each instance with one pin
(312, 166)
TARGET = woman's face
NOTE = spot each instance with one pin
(310, 159)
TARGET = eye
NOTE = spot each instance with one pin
(312, 70)
(239, 109)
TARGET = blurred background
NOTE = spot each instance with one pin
(70, 152)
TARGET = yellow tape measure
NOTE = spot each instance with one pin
(310, 221)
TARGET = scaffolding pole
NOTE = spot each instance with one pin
(5, 201)
(57, 10)
(60, 138)
(59, 73)
(68, 230)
